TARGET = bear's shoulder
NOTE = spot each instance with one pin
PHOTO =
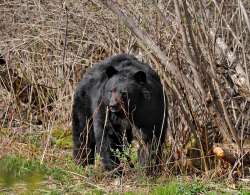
(96, 76)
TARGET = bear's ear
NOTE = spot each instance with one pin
(110, 71)
(140, 77)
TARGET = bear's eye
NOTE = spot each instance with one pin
(112, 90)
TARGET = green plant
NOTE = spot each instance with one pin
(244, 192)
(127, 156)
(15, 169)
(95, 192)
(169, 189)
(177, 187)
(191, 189)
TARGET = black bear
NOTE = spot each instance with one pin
(118, 100)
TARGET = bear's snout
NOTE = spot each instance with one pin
(116, 102)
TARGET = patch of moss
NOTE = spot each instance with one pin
(62, 138)
(15, 169)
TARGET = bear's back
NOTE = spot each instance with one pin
(96, 74)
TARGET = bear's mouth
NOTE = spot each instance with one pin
(115, 109)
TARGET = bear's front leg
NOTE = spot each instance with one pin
(104, 142)
(83, 136)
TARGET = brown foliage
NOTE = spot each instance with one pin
(200, 49)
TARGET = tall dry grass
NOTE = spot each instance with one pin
(200, 49)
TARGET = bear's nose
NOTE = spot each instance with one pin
(115, 108)
(116, 102)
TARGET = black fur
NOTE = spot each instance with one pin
(117, 100)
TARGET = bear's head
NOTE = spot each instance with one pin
(125, 89)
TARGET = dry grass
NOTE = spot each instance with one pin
(200, 49)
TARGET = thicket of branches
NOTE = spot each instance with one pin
(199, 48)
